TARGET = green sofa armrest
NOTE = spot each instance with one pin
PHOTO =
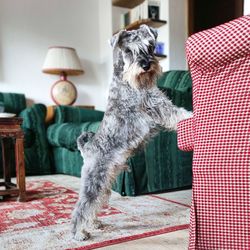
(76, 115)
(37, 157)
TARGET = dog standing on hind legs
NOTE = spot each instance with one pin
(136, 110)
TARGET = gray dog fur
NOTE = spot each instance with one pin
(136, 110)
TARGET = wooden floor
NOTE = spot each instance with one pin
(177, 240)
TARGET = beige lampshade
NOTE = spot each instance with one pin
(62, 59)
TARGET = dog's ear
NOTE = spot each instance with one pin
(153, 32)
(116, 38)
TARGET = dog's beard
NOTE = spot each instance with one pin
(131, 73)
(148, 79)
(139, 78)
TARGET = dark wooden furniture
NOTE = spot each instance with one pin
(207, 14)
(12, 134)
(149, 21)
(127, 3)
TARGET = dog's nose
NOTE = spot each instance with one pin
(145, 65)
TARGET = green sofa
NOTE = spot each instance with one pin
(51, 149)
(159, 167)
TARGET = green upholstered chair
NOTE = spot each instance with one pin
(37, 158)
(160, 166)
(38, 155)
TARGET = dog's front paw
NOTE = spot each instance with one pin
(184, 114)
(81, 236)
(189, 114)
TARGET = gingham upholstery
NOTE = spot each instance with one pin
(186, 140)
(219, 134)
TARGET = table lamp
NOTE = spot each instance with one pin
(62, 61)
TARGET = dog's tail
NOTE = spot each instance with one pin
(84, 138)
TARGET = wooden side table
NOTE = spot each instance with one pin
(10, 130)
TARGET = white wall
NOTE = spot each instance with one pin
(178, 33)
(246, 7)
(29, 27)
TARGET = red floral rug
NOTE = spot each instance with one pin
(43, 221)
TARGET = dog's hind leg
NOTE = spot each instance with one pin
(111, 178)
(94, 183)
(77, 221)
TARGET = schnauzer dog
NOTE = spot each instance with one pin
(136, 110)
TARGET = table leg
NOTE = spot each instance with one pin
(20, 169)
(6, 145)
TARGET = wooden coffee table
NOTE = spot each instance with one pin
(12, 134)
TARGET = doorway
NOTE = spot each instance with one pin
(205, 14)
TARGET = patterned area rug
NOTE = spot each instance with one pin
(43, 221)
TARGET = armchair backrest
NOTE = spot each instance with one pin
(219, 60)
(216, 50)
(12, 102)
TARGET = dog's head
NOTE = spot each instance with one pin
(134, 54)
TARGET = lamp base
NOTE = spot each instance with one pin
(63, 92)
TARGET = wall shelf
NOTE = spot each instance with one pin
(130, 4)
(150, 22)
(160, 56)
(154, 23)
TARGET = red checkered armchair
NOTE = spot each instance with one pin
(219, 135)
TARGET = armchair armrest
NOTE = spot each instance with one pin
(185, 135)
(37, 157)
(13, 102)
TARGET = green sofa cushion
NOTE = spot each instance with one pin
(13, 102)
(65, 134)
(76, 114)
